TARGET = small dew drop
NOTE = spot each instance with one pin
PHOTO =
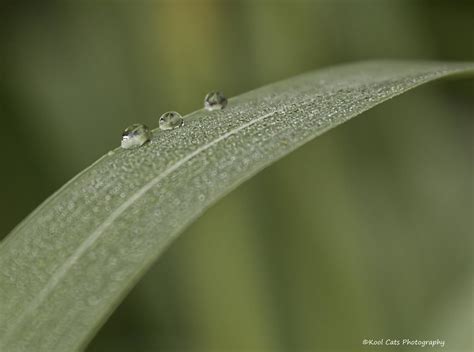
(170, 120)
(135, 136)
(215, 101)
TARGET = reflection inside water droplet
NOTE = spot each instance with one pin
(135, 136)
(215, 101)
(170, 120)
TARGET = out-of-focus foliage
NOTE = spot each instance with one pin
(74, 74)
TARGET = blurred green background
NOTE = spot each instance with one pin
(365, 232)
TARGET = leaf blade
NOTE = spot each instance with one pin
(62, 278)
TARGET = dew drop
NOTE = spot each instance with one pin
(170, 120)
(135, 136)
(215, 101)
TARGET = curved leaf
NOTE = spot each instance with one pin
(65, 268)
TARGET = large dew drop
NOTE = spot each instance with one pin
(135, 136)
(215, 101)
(170, 120)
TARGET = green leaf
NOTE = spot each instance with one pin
(67, 266)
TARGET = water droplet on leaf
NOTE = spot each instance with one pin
(215, 101)
(170, 120)
(135, 136)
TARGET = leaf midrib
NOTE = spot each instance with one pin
(92, 238)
